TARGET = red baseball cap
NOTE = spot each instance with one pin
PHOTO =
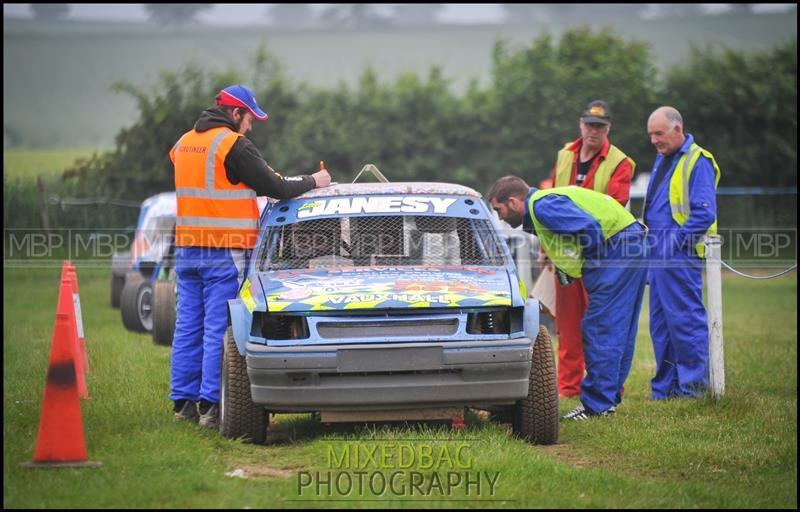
(240, 96)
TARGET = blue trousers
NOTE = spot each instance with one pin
(678, 327)
(207, 279)
(615, 284)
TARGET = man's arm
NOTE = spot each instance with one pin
(245, 164)
(619, 186)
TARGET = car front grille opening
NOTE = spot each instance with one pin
(488, 322)
(496, 321)
(280, 327)
(390, 373)
(388, 328)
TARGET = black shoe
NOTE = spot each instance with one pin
(209, 415)
(185, 410)
(581, 413)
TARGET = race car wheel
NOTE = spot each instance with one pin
(536, 416)
(239, 418)
(136, 304)
(119, 267)
(117, 284)
(163, 311)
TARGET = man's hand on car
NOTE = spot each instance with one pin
(321, 178)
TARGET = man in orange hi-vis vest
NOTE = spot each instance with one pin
(218, 175)
(590, 161)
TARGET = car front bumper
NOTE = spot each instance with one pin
(389, 375)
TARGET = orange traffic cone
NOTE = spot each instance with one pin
(69, 308)
(76, 299)
(66, 273)
(60, 439)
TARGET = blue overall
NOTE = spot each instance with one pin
(614, 273)
(207, 279)
(678, 321)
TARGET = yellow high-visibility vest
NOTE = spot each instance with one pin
(564, 250)
(679, 201)
(602, 175)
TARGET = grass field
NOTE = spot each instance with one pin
(56, 85)
(738, 453)
(27, 164)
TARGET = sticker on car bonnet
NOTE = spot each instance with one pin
(247, 296)
(386, 287)
(377, 204)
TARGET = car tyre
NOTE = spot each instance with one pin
(536, 416)
(164, 302)
(117, 284)
(240, 418)
(119, 267)
(136, 304)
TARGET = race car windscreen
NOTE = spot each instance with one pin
(396, 240)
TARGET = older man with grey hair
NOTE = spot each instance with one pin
(680, 210)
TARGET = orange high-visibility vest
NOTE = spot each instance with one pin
(212, 212)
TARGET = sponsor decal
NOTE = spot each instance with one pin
(410, 287)
(375, 204)
(247, 296)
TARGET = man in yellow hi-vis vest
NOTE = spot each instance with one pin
(588, 234)
(592, 162)
(218, 174)
(680, 210)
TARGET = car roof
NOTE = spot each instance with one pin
(164, 204)
(405, 188)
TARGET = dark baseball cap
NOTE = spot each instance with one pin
(597, 112)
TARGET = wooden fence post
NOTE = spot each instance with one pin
(716, 355)
(43, 204)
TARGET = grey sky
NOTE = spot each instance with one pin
(231, 14)
(234, 14)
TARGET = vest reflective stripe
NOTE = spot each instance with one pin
(679, 200)
(205, 193)
(175, 148)
(216, 222)
(681, 206)
(211, 157)
(210, 207)
(603, 173)
(564, 250)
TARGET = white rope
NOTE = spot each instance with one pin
(757, 277)
(85, 201)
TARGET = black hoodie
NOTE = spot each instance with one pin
(245, 164)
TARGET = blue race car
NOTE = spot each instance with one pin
(374, 298)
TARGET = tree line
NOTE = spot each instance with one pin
(741, 106)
